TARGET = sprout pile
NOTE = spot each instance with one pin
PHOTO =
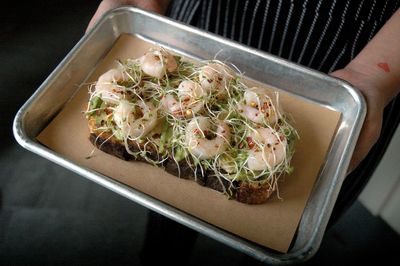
(199, 114)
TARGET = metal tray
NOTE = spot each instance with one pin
(302, 82)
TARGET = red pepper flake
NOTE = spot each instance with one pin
(384, 66)
(197, 131)
(250, 142)
(265, 106)
(241, 145)
(177, 113)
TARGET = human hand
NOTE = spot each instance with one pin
(371, 128)
(157, 6)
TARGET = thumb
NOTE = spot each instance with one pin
(103, 8)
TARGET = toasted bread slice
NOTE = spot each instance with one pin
(249, 193)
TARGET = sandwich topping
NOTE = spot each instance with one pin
(199, 115)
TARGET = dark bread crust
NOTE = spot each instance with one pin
(253, 193)
(111, 146)
(183, 170)
(249, 193)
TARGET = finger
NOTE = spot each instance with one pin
(369, 135)
(154, 6)
(103, 8)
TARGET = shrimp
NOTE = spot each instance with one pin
(215, 78)
(135, 120)
(259, 107)
(190, 100)
(205, 142)
(267, 149)
(157, 63)
(108, 88)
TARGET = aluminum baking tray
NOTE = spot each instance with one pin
(302, 82)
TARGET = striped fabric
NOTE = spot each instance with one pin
(323, 35)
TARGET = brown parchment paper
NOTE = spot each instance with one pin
(272, 224)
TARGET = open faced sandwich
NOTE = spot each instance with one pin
(197, 121)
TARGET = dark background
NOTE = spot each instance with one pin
(49, 215)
